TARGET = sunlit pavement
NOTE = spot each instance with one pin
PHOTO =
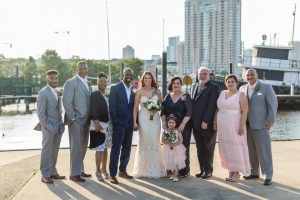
(286, 181)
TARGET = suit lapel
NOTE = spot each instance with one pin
(83, 86)
(203, 90)
(52, 95)
(124, 91)
(195, 86)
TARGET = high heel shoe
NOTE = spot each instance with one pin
(229, 177)
(99, 176)
(235, 177)
(104, 173)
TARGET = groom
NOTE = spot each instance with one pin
(121, 108)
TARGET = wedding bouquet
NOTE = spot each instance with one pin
(170, 137)
(152, 105)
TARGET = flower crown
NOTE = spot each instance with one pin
(171, 117)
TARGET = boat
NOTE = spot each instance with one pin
(276, 65)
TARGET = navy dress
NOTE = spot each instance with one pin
(180, 109)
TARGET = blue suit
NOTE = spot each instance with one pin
(122, 118)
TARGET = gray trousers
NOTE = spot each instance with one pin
(78, 138)
(50, 147)
(260, 153)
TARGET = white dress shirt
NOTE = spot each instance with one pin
(251, 89)
(128, 90)
(54, 91)
(84, 81)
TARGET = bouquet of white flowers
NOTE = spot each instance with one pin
(171, 137)
(152, 105)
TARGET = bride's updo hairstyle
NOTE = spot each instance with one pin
(153, 81)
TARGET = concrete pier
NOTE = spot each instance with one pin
(20, 179)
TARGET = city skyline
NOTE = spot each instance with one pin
(80, 26)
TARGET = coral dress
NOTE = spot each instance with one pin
(233, 147)
(174, 159)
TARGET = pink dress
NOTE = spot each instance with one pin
(174, 159)
(233, 147)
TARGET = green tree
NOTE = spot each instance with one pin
(135, 64)
(30, 71)
(51, 60)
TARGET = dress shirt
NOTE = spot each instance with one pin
(128, 90)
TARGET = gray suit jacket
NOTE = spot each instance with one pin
(76, 100)
(262, 105)
(49, 112)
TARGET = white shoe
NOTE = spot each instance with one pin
(171, 177)
(175, 179)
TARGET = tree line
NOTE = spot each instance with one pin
(34, 71)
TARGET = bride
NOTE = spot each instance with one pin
(148, 158)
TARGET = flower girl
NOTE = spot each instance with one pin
(173, 149)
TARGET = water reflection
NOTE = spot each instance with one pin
(19, 134)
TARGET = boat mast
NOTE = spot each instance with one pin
(294, 15)
(108, 45)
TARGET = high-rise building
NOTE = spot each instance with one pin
(128, 51)
(180, 58)
(171, 48)
(212, 34)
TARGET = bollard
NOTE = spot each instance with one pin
(27, 106)
(292, 89)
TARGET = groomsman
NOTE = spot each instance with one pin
(76, 101)
(51, 125)
(204, 94)
(261, 116)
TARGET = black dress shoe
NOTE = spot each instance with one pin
(250, 177)
(207, 175)
(77, 178)
(268, 181)
(200, 174)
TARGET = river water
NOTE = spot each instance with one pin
(16, 131)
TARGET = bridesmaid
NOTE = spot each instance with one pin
(179, 104)
(100, 128)
(231, 129)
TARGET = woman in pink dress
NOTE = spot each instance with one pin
(231, 129)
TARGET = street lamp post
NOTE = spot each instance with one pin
(67, 32)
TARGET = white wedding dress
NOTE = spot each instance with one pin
(148, 158)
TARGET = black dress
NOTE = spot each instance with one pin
(99, 111)
(180, 109)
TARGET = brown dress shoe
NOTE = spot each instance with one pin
(77, 178)
(57, 177)
(85, 175)
(113, 180)
(47, 180)
(125, 175)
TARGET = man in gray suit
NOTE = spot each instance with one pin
(76, 101)
(261, 116)
(51, 125)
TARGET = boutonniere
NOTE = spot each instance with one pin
(203, 87)
(89, 82)
(133, 91)
(183, 98)
(256, 88)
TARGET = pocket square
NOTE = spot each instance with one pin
(259, 93)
